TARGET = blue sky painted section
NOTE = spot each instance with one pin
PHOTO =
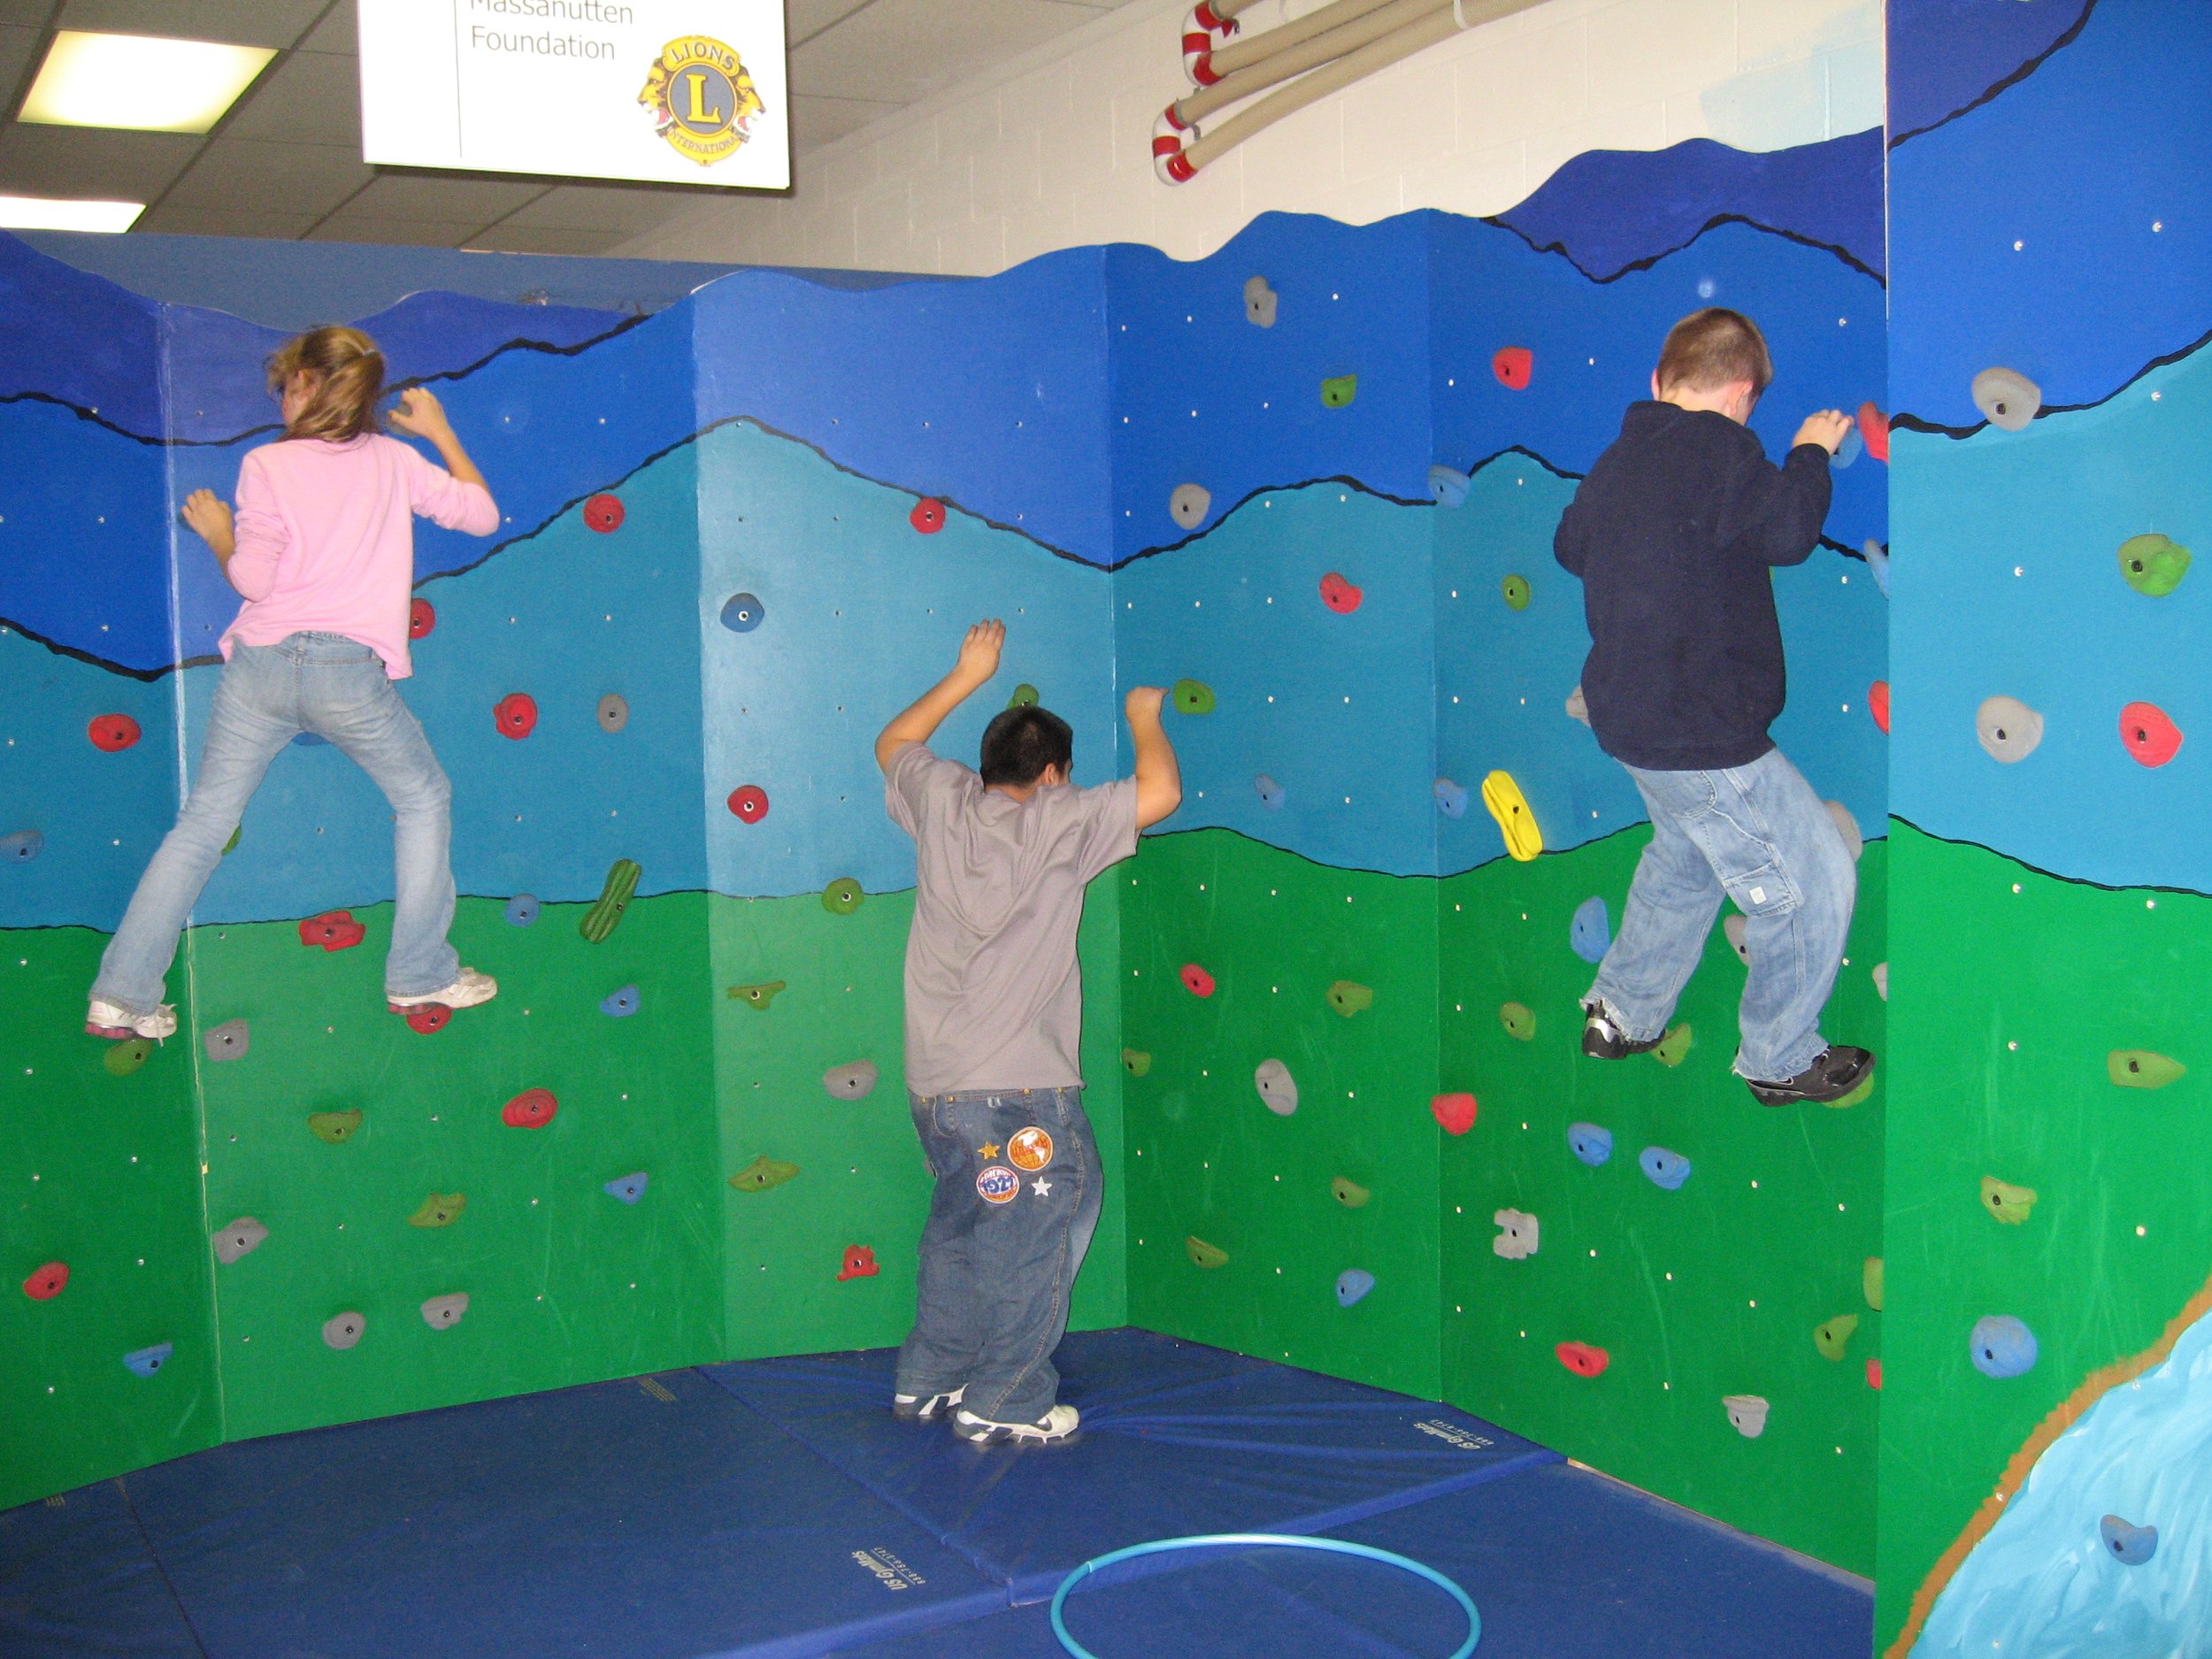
(1945, 54)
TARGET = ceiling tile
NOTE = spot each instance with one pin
(176, 219)
(16, 47)
(442, 197)
(411, 233)
(815, 120)
(30, 14)
(896, 52)
(275, 177)
(803, 19)
(338, 32)
(545, 239)
(92, 161)
(239, 22)
(588, 207)
(309, 98)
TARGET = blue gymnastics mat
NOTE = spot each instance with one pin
(773, 1510)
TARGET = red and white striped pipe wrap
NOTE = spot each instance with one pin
(1168, 133)
(1202, 31)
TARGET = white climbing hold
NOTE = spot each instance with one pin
(1278, 1090)
(1516, 1237)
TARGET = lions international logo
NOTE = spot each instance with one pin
(701, 99)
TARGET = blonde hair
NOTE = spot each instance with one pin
(348, 374)
(1714, 348)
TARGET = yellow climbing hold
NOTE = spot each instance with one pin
(1675, 1045)
(1870, 1281)
(1136, 1061)
(1833, 1337)
(1522, 840)
(1205, 1255)
(2009, 1203)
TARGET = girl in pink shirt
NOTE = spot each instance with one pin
(322, 549)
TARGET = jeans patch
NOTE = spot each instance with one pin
(1029, 1149)
(998, 1184)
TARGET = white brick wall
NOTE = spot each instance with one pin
(1054, 149)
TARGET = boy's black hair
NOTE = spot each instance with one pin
(1020, 743)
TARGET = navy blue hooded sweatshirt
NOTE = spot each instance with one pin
(1674, 533)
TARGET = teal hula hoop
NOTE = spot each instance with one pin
(1331, 1546)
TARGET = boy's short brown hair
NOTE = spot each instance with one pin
(1714, 348)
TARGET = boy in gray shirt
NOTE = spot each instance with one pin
(994, 1023)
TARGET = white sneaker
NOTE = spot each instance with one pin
(104, 1018)
(466, 991)
(1056, 1424)
(915, 1409)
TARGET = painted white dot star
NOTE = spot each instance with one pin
(1041, 1187)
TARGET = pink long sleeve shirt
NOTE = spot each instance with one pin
(326, 539)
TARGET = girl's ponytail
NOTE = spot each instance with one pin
(348, 373)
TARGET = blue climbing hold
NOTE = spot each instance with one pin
(20, 848)
(1451, 799)
(522, 909)
(1666, 1171)
(1447, 487)
(1352, 1284)
(741, 613)
(2131, 1545)
(1591, 1144)
(1849, 451)
(309, 740)
(2002, 1345)
(1591, 933)
(622, 1004)
(1272, 795)
(144, 1362)
(629, 1189)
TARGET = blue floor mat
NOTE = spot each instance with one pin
(76, 1582)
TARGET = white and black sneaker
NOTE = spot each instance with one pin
(920, 1409)
(1056, 1424)
(1603, 1038)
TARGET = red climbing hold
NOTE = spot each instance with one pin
(422, 619)
(1196, 980)
(112, 733)
(1582, 1358)
(1877, 704)
(860, 1263)
(1874, 431)
(2149, 736)
(1339, 596)
(1513, 366)
(1874, 1374)
(1455, 1112)
(749, 802)
(533, 1108)
(928, 516)
(516, 715)
(45, 1283)
(603, 513)
(428, 1017)
(332, 929)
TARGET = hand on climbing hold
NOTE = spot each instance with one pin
(979, 652)
(1824, 427)
(421, 413)
(209, 516)
(1144, 701)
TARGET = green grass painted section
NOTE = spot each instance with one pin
(101, 1172)
(1714, 1289)
(1994, 953)
(1206, 1157)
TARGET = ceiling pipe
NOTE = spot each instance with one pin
(1295, 60)
(1227, 60)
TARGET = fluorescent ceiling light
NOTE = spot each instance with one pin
(31, 213)
(139, 81)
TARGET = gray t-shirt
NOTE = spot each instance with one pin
(994, 994)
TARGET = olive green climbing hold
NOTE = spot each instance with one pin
(1870, 1281)
(440, 1210)
(614, 898)
(1865, 1088)
(1136, 1062)
(2153, 565)
(1338, 390)
(2009, 1203)
(1193, 696)
(1024, 696)
(335, 1128)
(1205, 1255)
(125, 1057)
(843, 896)
(755, 995)
(231, 845)
(763, 1173)
(1835, 1336)
(1351, 1194)
(1674, 1045)
(1519, 1020)
(1349, 998)
(2140, 1068)
(1517, 592)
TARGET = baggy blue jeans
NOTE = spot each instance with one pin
(1016, 1201)
(1759, 834)
(337, 688)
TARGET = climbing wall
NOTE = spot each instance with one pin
(2048, 1426)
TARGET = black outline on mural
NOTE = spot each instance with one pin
(2013, 80)
(1914, 423)
(1650, 261)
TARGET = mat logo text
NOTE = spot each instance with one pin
(1452, 1435)
(891, 1572)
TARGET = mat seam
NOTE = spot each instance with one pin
(153, 1555)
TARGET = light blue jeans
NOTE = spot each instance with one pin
(336, 688)
(1759, 834)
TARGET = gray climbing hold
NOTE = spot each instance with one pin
(1739, 931)
(1271, 792)
(20, 848)
(1847, 827)
(614, 713)
(1576, 709)
(1187, 505)
(227, 1041)
(1259, 302)
(1278, 1090)
(1877, 561)
(2008, 728)
(241, 1236)
(851, 1081)
(442, 1313)
(1881, 980)
(1747, 1414)
(342, 1331)
(1518, 1234)
(1352, 1284)
(628, 1188)
(2007, 398)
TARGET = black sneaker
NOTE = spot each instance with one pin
(923, 1408)
(1604, 1039)
(1833, 1073)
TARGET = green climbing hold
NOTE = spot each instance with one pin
(1870, 1281)
(1674, 1045)
(2009, 1203)
(2153, 565)
(230, 845)
(1338, 390)
(1136, 1062)
(335, 1128)
(1865, 1088)
(2140, 1068)
(1193, 696)
(1349, 999)
(1833, 1337)
(1519, 1020)
(1205, 1255)
(1351, 1194)
(1517, 592)
(843, 896)
(755, 995)
(125, 1057)
(440, 1210)
(614, 898)
(1024, 696)
(763, 1173)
